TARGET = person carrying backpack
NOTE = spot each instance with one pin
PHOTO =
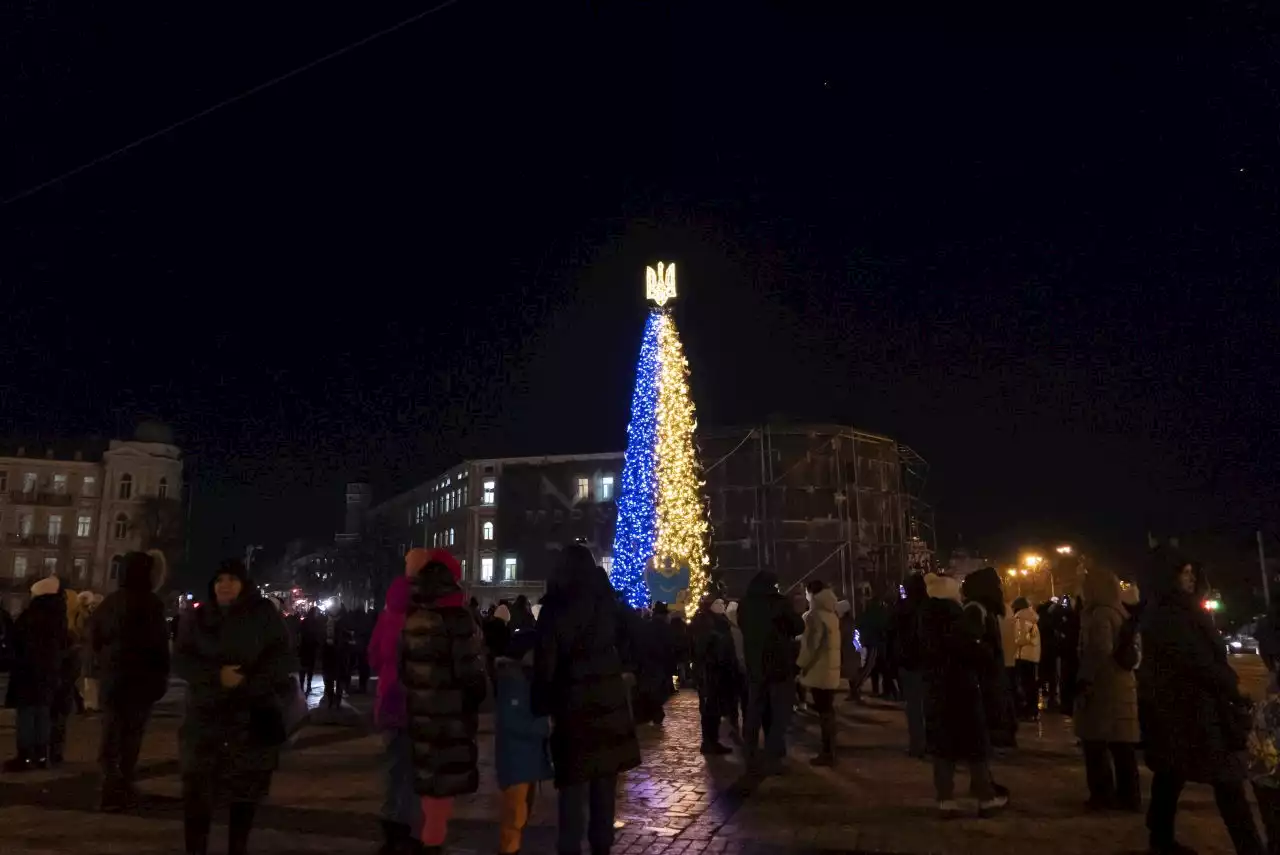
(1106, 709)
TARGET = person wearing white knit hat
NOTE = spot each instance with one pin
(39, 642)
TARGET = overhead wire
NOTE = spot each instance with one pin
(254, 90)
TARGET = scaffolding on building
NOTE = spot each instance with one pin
(814, 501)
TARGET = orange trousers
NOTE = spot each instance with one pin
(435, 820)
(517, 804)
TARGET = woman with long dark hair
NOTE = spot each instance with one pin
(234, 655)
(578, 682)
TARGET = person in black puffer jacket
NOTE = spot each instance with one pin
(40, 645)
(130, 641)
(578, 682)
(442, 671)
(234, 655)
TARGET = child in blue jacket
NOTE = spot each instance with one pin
(522, 753)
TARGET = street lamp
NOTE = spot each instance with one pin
(1063, 550)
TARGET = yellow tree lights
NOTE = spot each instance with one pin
(660, 543)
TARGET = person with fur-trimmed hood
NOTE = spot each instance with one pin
(234, 654)
(442, 669)
(819, 666)
(1026, 654)
(40, 646)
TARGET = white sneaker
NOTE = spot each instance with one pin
(992, 807)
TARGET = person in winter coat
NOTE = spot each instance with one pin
(954, 659)
(1068, 652)
(443, 674)
(335, 655)
(1049, 646)
(769, 624)
(739, 715)
(130, 641)
(1268, 635)
(984, 606)
(850, 656)
(401, 810)
(309, 640)
(1106, 713)
(522, 752)
(873, 629)
(67, 695)
(655, 655)
(521, 615)
(234, 656)
(819, 665)
(906, 633)
(1026, 643)
(717, 670)
(578, 683)
(1197, 721)
(40, 645)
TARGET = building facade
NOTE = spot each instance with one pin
(825, 502)
(504, 519)
(75, 512)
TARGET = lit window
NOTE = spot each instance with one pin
(19, 566)
(486, 531)
(486, 569)
(55, 527)
(60, 485)
(508, 569)
(162, 489)
(80, 569)
(451, 537)
(463, 565)
(126, 487)
(606, 564)
(606, 488)
(29, 482)
(583, 489)
(117, 565)
(122, 526)
(90, 487)
(25, 524)
(490, 491)
(50, 566)
(84, 525)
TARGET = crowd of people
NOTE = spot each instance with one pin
(575, 675)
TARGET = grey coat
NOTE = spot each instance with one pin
(1107, 711)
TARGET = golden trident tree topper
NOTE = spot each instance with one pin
(660, 284)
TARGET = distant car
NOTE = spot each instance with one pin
(1243, 640)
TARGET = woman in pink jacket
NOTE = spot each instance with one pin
(401, 808)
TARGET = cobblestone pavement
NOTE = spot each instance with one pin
(326, 796)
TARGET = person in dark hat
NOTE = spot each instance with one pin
(130, 641)
(235, 657)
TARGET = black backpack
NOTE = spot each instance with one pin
(1128, 651)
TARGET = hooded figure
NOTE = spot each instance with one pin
(443, 674)
(1026, 650)
(578, 683)
(1106, 713)
(819, 664)
(984, 606)
(769, 626)
(130, 641)
(234, 656)
(1196, 719)
(40, 645)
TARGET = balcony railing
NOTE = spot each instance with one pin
(37, 540)
(36, 497)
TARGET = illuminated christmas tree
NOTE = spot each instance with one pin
(660, 543)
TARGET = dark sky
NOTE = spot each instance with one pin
(1044, 254)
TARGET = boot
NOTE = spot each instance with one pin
(240, 823)
(21, 762)
(827, 724)
(395, 839)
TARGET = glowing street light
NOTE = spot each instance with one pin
(1032, 561)
(1063, 550)
(1013, 571)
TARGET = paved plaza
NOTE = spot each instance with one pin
(326, 796)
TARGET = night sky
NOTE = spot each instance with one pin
(1043, 255)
